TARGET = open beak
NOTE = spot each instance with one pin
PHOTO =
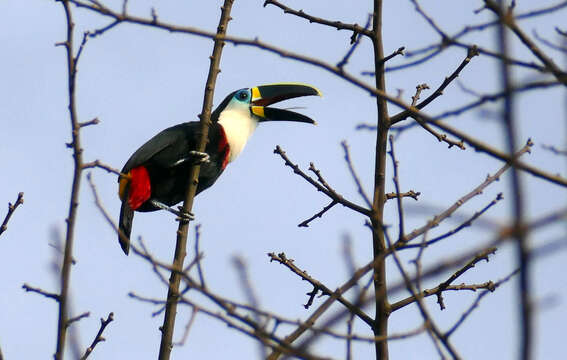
(265, 95)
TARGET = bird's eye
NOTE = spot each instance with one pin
(243, 95)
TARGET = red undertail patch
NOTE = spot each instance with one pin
(224, 148)
(140, 187)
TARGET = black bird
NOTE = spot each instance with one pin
(155, 176)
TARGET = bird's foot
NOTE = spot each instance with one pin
(199, 157)
(181, 214)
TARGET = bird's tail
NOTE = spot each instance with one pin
(125, 226)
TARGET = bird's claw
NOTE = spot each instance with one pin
(201, 157)
(184, 215)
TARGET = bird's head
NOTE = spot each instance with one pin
(254, 102)
(242, 110)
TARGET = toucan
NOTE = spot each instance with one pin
(156, 175)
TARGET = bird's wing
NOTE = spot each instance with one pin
(169, 148)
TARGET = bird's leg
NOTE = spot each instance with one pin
(182, 215)
(200, 157)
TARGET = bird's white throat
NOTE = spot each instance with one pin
(238, 127)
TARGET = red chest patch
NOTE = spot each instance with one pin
(140, 187)
(223, 148)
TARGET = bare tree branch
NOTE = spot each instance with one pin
(319, 286)
(431, 326)
(506, 19)
(510, 134)
(313, 19)
(471, 53)
(65, 274)
(476, 144)
(476, 303)
(181, 243)
(476, 191)
(327, 190)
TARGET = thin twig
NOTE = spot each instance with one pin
(11, 209)
(355, 41)
(100, 165)
(251, 297)
(418, 89)
(397, 187)
(94, 121)
(188, 327)
(354, 175)
(554, 150)
(476, 303)
(48, 295)
(429, 20)
(411, 194)
(471, 53)
(549, 44)
(399, 51)
(433, 291)
(471, 264)
(98, 338)
(462, 226)
(198, 255)
(349, 339)
(78, 318)
(305, 223)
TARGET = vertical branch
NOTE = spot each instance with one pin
(378, 240)
(181, 244)
(74, 202)
(522, 250)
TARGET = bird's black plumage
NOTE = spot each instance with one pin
(167, 158)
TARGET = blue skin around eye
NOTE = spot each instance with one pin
(242, 96)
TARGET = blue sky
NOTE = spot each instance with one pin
(138, 81)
